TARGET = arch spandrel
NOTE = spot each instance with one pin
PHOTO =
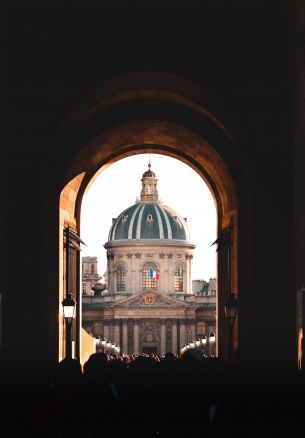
(164, 138)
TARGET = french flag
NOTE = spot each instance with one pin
(154, 274)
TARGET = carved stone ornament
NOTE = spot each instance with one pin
(149, 299)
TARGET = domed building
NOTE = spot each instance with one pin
(149, 247)
(149, 306)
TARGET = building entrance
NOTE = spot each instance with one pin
(150, 349)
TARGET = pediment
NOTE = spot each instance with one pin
(150, 299)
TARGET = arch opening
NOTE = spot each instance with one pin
(164, 251)
(177, 141)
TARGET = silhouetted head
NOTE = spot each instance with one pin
(169, 356)
(67, 372)
(96, 364)
(193, 354)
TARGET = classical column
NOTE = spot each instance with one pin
(117, 332)
(186, 277)
(130, 274)
(169, 278)
(182, 332)
(190, 273)
(111, 330)
(163, 338)
(174, 336)
(137, 273)
(110, 263)
(106, 329)
(193, 329)
(136, 337)
(125, 338)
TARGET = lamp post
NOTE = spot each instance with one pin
(97, 342)
(108, 346)
(103, 342)
(203, 342)
(68, 305)
(212, 339)
(231, 312)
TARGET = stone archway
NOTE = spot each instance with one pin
(173, 119)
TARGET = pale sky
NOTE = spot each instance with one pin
(179, 187)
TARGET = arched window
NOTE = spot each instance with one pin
(92, 269)
(178, 279)
(120, 278)
(150, 276)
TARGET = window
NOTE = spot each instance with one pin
(149, 276)
(121, 278)
(200, 328)
(178, 279)
(92, 269)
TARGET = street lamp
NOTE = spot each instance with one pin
(108, 345)
(103, 342)
(97, 342)
(68, 305)
(231, 312)
(201, 341)
(212, 340)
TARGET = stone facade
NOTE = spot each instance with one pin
(166, 257)
(149, 321)
(149, 305)
(90, 276)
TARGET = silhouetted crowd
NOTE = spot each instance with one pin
(147, 395)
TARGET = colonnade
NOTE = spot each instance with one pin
(169, 334)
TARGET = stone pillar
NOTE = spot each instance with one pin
(163, 338)
(174, 336)
(169, 278)
(106, 330)
(110, 263)
(136, 337)
(193, 328)
(130, 273)
(186, 275)
(111, 330)
(182, 333)
(137, 273)
(190, 273)
(163, 271)
(124, 348)
(117, 332)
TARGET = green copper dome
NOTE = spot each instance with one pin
(149, 221)
(148, 218)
